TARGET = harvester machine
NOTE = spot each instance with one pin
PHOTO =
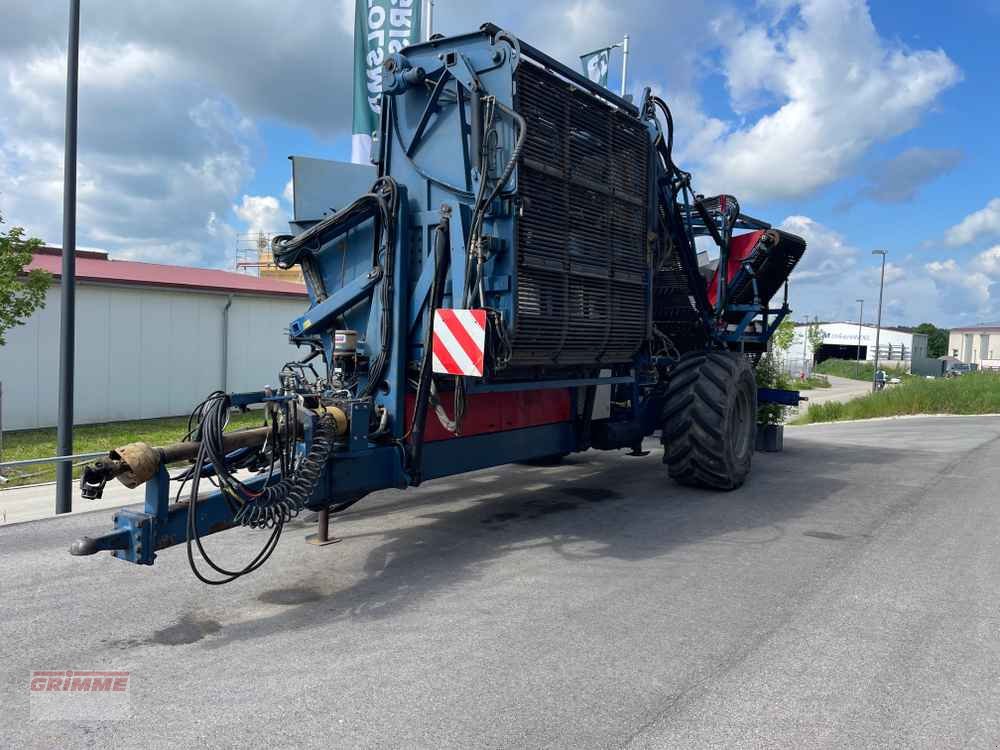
(518, 279)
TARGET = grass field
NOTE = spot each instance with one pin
(813, 381)
(848, 368)
(977, 393)
(91, 438)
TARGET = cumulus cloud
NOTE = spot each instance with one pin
(828, 255)
(833, 274)
(262, 213)
(968, 289)
(841, 88)
(988, 262)
(168, 141)
(893, 273)
(984, 223)
(167, 135)
(960, 288)
(159, 159)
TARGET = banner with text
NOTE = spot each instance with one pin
(381, 27)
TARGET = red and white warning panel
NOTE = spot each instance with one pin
(459, 342)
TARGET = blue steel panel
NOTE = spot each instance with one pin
(321, 187)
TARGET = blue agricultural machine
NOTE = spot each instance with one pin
(519, 280)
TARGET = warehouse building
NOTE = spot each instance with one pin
(978, 345)
(898, 348)
(152, 340)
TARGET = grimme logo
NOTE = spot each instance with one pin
(79, 694)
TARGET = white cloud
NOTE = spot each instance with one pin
(163, 177)
(834, 274)
(988, 262)
(983, 223)
(288, 194)
(841, 89)
(828, 256)
(960, 287)
(262, 213)
(157, 158)
(893, 273)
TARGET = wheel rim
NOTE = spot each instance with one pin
(741, 419)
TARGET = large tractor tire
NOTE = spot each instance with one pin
(710, 420)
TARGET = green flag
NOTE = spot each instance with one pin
(596, 64)
(381, 27)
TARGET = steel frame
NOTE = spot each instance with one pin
(361, 466)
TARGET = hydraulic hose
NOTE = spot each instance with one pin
(442, 260)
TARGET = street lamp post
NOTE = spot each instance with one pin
(878, 325)
(67, 281)
(857, 359)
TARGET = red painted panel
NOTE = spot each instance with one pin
(496, 412)
(740, 248)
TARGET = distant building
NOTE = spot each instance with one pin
(897, 347)
(254, 257)
(152, 340)
(978, 345)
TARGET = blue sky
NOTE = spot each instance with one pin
(858, 125)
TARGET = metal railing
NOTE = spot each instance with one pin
(6, 466)
(84, 457)
(77, 459)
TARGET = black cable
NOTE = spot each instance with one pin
(385, 226)
(670, 131)
(276, 503)
(212, 415)
(442, 260)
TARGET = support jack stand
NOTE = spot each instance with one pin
(637, 450)
(322, 536)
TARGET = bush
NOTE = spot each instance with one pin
(770, 375)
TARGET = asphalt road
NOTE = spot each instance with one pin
(847, 596)
(841, 389)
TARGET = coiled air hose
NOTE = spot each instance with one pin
(269, 508)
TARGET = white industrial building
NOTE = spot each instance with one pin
(151, 340)
(897, 348)
(978, 345)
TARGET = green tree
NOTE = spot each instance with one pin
(20, 293)
(937, 339)
(784, 334)
(814, 335)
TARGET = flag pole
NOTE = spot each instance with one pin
(624, 64)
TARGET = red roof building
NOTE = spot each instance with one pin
(152, 340)
(96, 267)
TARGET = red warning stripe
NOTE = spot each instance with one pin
(459, 342)
(450, 319)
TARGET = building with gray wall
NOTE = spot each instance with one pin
(152, 340)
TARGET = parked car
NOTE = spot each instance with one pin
(959, 368)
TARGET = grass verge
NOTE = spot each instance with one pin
(813, 381)
(91, 438)
(978, 393)
(848, 368)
